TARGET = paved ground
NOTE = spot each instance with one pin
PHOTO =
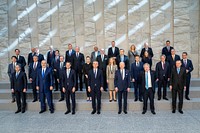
(106, 122)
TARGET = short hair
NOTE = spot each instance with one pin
(162, 56)
(58, 51)
(61, 56)
(68, 62)
(113, 41)
(87, 57)
(17, 49)
(121, 49)
(95, 61)
(168, 41)
(185, 53)
(18, 65)
(69, 44)
(146, 64)
(14, 57)
(137, 55)
(35, 56)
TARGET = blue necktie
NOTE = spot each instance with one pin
(178, 70)
(43, 73)
(146, 77)
(17, 74)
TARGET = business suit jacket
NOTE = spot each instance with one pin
(143, 83)
(189, 66)
(111, 54)
(121, 84)
(68, 57)
(30, 57)
(77, 63)
(171, 61)
(93, 58)
(20, 82)
(33, 73)
(44, 83)
(40, 58)
(95, 82)
(50, 57)
(178, 79)
(150, 51)
(69, 83)
(102, 64)
(135, 71)
(22, 62)
(166, 52)
(11, 70)
(126, 61)
(162, 73)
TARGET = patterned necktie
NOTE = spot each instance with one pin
(146, 77)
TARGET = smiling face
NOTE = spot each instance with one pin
(95, 64)
(68, 65)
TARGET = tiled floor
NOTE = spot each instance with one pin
(106, 122)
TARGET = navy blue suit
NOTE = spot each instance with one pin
(172, 62)
(111, 54)
(68, 57)
(68, 83)
(122, 84)
(188, 66)
(22, 62)
(33, 74)
(40, 58)
(55, 66)
(135, 74)
(95, 83)
(50, 57)
(126, 61)
(30, 57)
(18, 83)
(60, 71)
(44, 84)
(166, 52)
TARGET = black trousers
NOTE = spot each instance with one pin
(124, 94)
(55, 80)
(79, 76)
(187, 85)
(96, 94)
(33, 84)
(178, 91)
(69, 93)
(49, 97)
(105, 86)
(20, 100)
(62, 94)
(86, 87)
(148, 94)
(137, 89)
(162, 83)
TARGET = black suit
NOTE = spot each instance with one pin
(55, 66)
(60, 71)
(147, 60)
(68, 56)
(22, 62)
(102, 66)
(69, 82)
(95, 83)
(19, 83)
(33, 74)
(125, 60)
(172, 62)
(162, 74)
(111, 54)
(149, 50)
(30, 57)
(40, 58)
(188, 66)
(122, 84)
(177, 81)
(50, 57)
(86, 69)
(167, 52)
(148, 92)
(77, 65)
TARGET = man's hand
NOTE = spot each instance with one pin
(54, 70)
(89, 89)
(184, 88)
(170, 87)
(187, 71)
(116, 89)
(24, 90)
(86, 76)
(168, 79)
(73, 89)
(51, 88)
(31, 80)
(58, 80)
(133, 80)
(128, 89)
(63, 89)
(101, 89)
(12, 90)
(37, 87)
(107, 81)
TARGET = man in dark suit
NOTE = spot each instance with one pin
(122, 84)
(94, 54)
(187, 64)
(172, 59)
(44, 83)
(162, 76)
(50, 56)
(55, 66)
(33, 71)
(103, 61)
(113, 51)
(167, 49)
(30, 56)
(95, 86)
(69, 84)
(77, 65)
(148, 49)
(136, 69)
(40, 56)
(122, 58)
(20, 59)
(178, 85)
(19, 87)
(69, 53)
(147, 79)
(11, 70)
(60, 71)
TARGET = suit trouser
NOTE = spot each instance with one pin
(174, 97)
(162, 83)
(55, 78)
(79, 75)
(104, 80)
(148, 94)
(188, 77)
(125, 94)
(20, 96)
(48, 95)
(137, 89)
(96, 94)
(62, 94)
(33, 84)
(69, 93)
(86, 87)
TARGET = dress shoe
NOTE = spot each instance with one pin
(173, 111)
(140, 100)
(153, 112)
(42, 111)
(51, 111)
(98, 112)
(13, 100)
(135, 99)
(165, 98)
(115, 100)
(180, 111)
(67, 112)
(23, 111)
(159, 99)
(119, 112)
(187, 98)
(143, 112)
(110, 100)
(93, 112)
(73, 113)
(18, 111)
(125, 112)
(34, 100)
(61, 99)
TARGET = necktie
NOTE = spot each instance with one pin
(95, 72)
(43, 73)
(34, 67)
(13, 66)
(61, 65)
(146, 76)
(163, 65)
(70, 52)
(173, 57)
(122, 73)
(76, 55)
(67, 73)
(178, 70)
(51, 53)
(185, 63)
(102, 57)
(17, 73)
